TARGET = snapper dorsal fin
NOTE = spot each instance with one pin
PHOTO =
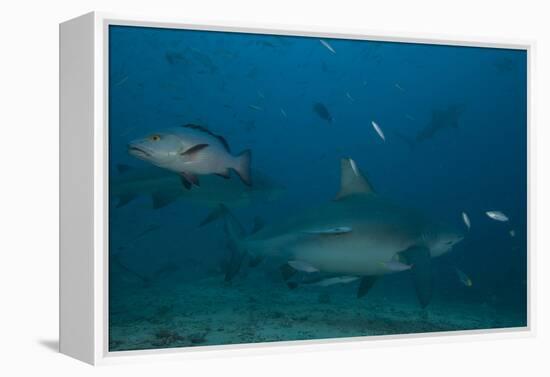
(204, 129)
(352, 181)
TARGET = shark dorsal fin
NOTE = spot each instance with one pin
(351, 180)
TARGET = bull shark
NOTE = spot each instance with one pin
(446, 118)
(441, 119)
(358, 234)
(164, 187)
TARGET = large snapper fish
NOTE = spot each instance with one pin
(190, 151)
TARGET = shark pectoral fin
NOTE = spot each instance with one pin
(351, 180)
(162, 199)
(287, 271)
(125, 199)
(185, 182)
(330, 231)
(420, 260)
(188, 179)
(365, 285)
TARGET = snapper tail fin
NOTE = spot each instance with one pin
(243, 166)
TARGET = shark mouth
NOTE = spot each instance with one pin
(138, 152)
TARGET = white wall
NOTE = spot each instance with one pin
(29, 183)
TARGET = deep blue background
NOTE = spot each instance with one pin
(160, 78)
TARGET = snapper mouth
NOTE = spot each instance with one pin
(138, 152)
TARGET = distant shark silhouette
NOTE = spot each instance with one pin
(164, 187)
(358, 235)
(441, 119)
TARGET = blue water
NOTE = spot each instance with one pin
(167, 286)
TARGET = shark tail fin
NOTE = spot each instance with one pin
(235, 233)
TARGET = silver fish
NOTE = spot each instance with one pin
(378, 130)
(396, 266)
(497, 215)
(399, 87)
(327, 45)
(255, 107)
(190, 151)
(466, 220)
(336, 280)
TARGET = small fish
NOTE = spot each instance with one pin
(330, 231)
(322, 111)
(497, 215)
(254, 107)
(378, 130)
(122, 81)
(350, 97)
(327, 45)
(396, 266)
(464, 279)
(260, 94)
(512, 233)
(466, 220)
(191, 150)
(399, 87)
(336, 280)
(302, 266)
(283, 112)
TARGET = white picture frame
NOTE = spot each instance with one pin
(84, 191)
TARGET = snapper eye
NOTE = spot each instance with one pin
(154, 137)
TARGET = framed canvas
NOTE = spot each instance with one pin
(228, 188)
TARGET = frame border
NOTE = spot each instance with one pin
(102, 355)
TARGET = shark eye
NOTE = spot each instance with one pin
(154, 137)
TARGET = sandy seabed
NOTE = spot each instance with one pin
(211, 312)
